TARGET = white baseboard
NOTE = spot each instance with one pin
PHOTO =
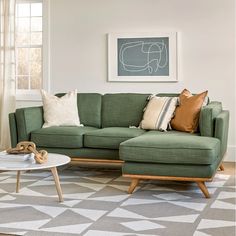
(230, 154)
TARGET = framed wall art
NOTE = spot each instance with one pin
(142, 57)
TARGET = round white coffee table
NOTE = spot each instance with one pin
(19, 163)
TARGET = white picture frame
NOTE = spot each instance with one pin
(142, 57)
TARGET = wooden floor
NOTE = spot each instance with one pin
(230, 168)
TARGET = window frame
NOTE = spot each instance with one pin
(34, 94)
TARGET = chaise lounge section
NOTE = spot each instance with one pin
(170, 156)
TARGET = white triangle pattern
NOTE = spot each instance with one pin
(223, 205)
(88, 213)
(171, 196)
(42, 183)
(71, 203)
(121, 187)
(13, 181)
(152, 187)
(116, 198)
(216, 184)
(212, 224)
(37, 174)
(72, 229)
(103, 233)
(112, 233)
(10, 205)
(122, 213)
(122, 179)
(225, 195)
(95, 187)
(62, 177)
(142, 225)
(77, 195)
(179, 218)
(17, 233)
(51, 211)
(190, 205)
(2, 191)
(26, 225)
(222, 176)
(3, 177)
(7, 198)
(198, 233)
(28, 192)
(98, 179)
(138, 201)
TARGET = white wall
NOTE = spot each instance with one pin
(206, 45)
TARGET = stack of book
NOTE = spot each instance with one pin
(14, 160)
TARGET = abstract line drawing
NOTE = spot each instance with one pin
(154, 56)
(142, 57)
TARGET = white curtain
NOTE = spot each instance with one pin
(7, 68)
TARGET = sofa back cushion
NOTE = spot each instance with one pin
(89, 107)
(123, 109)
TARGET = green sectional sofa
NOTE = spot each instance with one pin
(109, 136)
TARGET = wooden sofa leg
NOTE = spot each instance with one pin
(222, 167)
(203, 188)
(133, 185)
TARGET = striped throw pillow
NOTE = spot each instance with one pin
(158, 113)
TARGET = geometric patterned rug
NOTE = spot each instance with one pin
(96, 204)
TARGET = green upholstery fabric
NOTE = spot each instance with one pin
(207, 118)
(221, 130)
(123, 110)
(13, 129)
(110, 137)
(93, 153)
(201, 171)
(175, 148)
(89, 107)
(169, 153)
(63, 137)
(27, 120)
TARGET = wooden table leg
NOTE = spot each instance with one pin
(18, 182)
(57, 182)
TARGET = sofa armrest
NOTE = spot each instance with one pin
(13, 129)
(27, 120)
(221, 130)
(207, 118)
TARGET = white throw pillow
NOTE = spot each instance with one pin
(158, 113)
(61, 111)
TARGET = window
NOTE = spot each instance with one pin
(31, 60)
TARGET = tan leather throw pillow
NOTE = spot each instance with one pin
(187, 113)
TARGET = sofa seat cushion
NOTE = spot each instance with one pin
(60, 137)
(171, 147)
(111, 137)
